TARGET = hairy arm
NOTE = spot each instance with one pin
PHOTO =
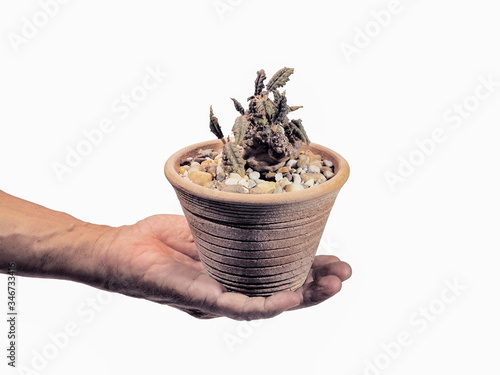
(47, 243)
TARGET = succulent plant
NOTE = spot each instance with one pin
(264, 138)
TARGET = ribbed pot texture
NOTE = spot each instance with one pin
(257, 244)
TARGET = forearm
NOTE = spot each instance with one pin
(47, 243)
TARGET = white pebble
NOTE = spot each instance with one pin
(232, 181)
(309, 182)
(251, 184)
(328, 174)
(293, 187)
(243, 182)
(296, 178)
(254, 175)
(236, 176)
(265, 187)
(314, 169)
(283, 182)
(278, 177)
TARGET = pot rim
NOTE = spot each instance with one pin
(334, 184)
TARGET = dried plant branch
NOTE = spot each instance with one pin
(279, 79)
(238, 106)
(281, 110)
(298, 129)
(240, 128)
(215, 127)
(233, 159)
(264, 138)
(259, 82)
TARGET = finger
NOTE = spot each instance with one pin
(320, 267)
(319, 290)
(204, 294)
(169, 227)
(199, 314)
(340, 269)
(177, 234)
(240, 307)
(319, 260)
(181, 257)
(187, 249)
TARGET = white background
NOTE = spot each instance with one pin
(406, 245)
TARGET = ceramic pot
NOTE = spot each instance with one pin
(257, 244)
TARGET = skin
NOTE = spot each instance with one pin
(155, 259)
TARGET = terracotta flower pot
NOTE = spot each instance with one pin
(257, 244)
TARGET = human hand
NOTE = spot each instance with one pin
(156, 259)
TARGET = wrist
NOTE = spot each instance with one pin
(77, 252)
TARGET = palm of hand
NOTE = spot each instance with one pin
(157, 259)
